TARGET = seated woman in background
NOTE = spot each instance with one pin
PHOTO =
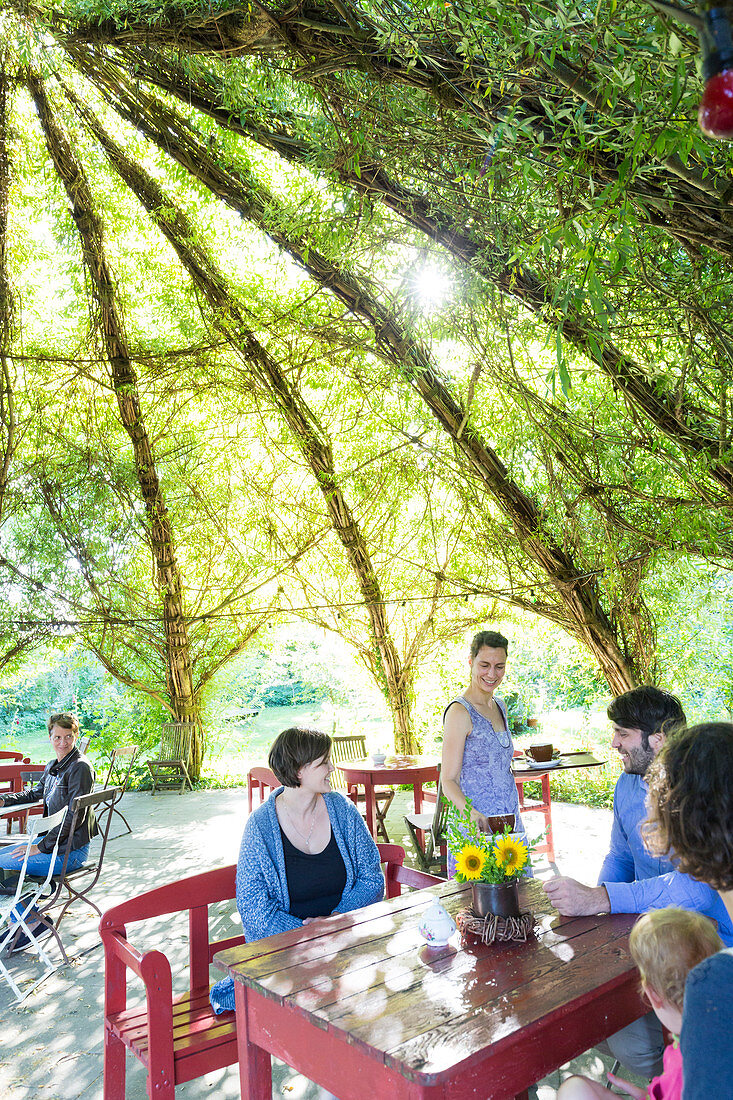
(691, 821)
(68, 775)
(305, 853)
(477, 745)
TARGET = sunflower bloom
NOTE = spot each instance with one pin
(511, 854)
(470, 862)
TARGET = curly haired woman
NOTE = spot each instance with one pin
(691, 817)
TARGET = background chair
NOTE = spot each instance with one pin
(353, 747)
(432, 851)
(261, 780)
(79, 883)
(396, 875)
(542, 806)
(14, 754)
(119, 775)
(14, 776)
(169, 770)
(15, 910)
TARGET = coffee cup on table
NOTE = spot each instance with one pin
(540, 753)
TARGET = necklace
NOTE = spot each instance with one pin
(307, 839)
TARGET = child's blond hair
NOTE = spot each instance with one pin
(666, 944)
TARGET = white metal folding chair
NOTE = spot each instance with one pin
(15, 910)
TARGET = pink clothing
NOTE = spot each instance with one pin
(668, 1086)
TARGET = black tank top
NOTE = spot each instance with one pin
(315, 882)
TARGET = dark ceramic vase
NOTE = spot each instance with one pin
(501, 900)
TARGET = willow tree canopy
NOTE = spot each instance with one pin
(571, 400)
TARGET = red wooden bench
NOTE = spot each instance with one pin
(180, 1038)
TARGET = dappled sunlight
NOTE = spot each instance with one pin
(562, 951)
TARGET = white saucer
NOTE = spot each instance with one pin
(542, 763)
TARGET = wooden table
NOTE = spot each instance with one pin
(356, 1004)
(412, 770)
(524, 773)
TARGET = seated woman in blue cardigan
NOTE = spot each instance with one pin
(305, 853)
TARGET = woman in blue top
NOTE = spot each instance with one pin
(305, 853)
(477, 746)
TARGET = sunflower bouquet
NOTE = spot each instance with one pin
(485, 857)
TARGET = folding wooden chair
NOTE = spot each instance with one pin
(432, 827)
(79, 883)
(170, 770)
(16, 909)
(353, 747)
(116, 777)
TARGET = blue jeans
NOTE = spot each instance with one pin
(38, 865)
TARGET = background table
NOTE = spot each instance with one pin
(523, 773)
(357, 1005)
(412, 770)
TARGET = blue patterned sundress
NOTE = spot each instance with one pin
(486, 772)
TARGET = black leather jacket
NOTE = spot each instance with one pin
(61, 782)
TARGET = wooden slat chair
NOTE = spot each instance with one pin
(353, 747)
(262, 780)
(170, 771)
(431, 825)
(120, 769)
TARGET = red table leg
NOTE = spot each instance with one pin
(547, 799)
(369, 793)
(255, 1067)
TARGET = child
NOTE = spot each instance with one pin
(665, 944)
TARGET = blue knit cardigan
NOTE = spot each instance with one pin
(262, 888)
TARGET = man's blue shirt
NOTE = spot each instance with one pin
(636, 881)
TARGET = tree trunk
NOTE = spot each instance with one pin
(183, 702)
(7, 397)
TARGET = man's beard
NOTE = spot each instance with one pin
(638, 760)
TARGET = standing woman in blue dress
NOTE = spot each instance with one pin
(477, 746)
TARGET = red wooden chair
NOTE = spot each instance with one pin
(13, 774)
(14, 754)
(396, 875)
(178, 1037)
(263, 781)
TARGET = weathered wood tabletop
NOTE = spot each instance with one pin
(357, 1003)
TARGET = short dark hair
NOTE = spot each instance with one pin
(648, 709)
(66, 721)
(491, 638)
(691, 803)
(293, 749)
